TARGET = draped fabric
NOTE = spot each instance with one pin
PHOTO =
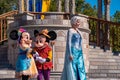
(38, 5)
(75, 69)
(30, 5)
(42, 6)
(45, 5)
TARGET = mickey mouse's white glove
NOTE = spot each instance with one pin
(36, 54)
(40, 59)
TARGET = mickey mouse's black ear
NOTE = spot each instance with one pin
(52, 34)
(13, 35)
(36, 33)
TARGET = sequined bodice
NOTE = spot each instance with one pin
(76, 41)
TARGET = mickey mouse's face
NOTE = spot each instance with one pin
(44, 38)
(40, 40)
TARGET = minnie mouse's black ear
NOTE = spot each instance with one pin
(13, 35)
(36, 33)
(52, 34)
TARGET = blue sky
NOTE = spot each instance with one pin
(114, 5)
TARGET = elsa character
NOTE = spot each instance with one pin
(74, 68)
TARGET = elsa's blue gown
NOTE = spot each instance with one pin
(75, 69)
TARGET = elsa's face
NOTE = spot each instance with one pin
(76, 24)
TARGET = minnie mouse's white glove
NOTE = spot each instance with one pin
(40, 59)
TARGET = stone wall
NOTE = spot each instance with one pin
(60, 26)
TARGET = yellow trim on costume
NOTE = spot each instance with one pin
(50, 54)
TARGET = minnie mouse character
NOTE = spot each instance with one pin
(25, 65)
(44, 57)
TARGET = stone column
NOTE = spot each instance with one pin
(34, 6)
(59, 7)
(27, 5)
(20, 6)
(66, 6)
(72, 7)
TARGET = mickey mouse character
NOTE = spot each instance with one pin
(44, 57)
(25, 65)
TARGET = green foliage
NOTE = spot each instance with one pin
(53, 6)
(116, 17)
(115, 36)
(88, 10)
(6, 5)
(85, 8)
(81, 7)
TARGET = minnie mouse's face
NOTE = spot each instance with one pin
(25, 36)
(25, 40)
(40, 40)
